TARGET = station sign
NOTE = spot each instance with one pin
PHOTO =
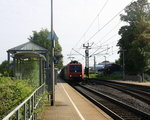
(55, 61)
(50, 36)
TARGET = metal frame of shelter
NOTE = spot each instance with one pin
(28, 51)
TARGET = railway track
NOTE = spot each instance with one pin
(134, 86)
(135, 92)
(118, 110)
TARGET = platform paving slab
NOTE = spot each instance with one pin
(70, 105)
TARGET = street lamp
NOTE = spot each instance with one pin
(52, 57)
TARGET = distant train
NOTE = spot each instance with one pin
(73, 71)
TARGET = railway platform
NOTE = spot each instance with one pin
(71, 105)
(133, 82)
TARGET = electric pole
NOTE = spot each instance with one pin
(87, 47)
(123, 63)
(94, 64)
(123, 66)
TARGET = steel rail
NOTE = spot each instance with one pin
(104, 108)
(140, 94)
(134, 86)
(144, 96)
(126, 87)
(119, 103)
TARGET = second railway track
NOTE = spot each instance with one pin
(115, 108)
(137, 93)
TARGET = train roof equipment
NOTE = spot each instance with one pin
(74, 62)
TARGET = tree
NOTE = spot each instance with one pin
(135, 37)
(5, 70)
(40, 38)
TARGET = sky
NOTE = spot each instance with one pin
(72, 18)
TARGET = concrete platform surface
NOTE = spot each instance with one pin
(70, 105)
(134, 83)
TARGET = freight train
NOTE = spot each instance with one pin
(73, 72)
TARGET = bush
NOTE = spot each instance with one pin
(146, 78)
(12, 93)
(5, 70)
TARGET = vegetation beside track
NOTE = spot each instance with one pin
(12, 92)
(106, 77)
(134, 44)
(114, 77)
(110, 77)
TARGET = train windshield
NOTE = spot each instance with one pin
(75, 68)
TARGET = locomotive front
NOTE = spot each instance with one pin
(75, 71)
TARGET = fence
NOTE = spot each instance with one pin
(26, 110)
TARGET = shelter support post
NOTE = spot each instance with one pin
(14, 65)
(40, 71)
(8, 58)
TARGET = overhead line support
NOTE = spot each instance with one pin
(87, 47)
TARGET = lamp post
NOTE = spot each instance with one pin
(52, 58)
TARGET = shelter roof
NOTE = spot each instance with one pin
(29, 46)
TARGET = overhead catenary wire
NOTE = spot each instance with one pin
(109, 38)
(104, 26)
(78, 52)
(100, 52)
(101, 27)
(107, 23)
(92, 22)
(108, 55)
(109, 32)
(102, 44)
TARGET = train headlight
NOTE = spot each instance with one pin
(70, 75)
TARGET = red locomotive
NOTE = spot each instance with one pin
(73, 71)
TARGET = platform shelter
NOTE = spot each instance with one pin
(28, 52)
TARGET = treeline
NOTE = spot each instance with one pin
(135, 38)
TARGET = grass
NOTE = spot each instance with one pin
(113, 77)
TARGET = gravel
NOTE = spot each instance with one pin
(121, 96)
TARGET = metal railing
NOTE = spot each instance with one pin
(26, 110)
